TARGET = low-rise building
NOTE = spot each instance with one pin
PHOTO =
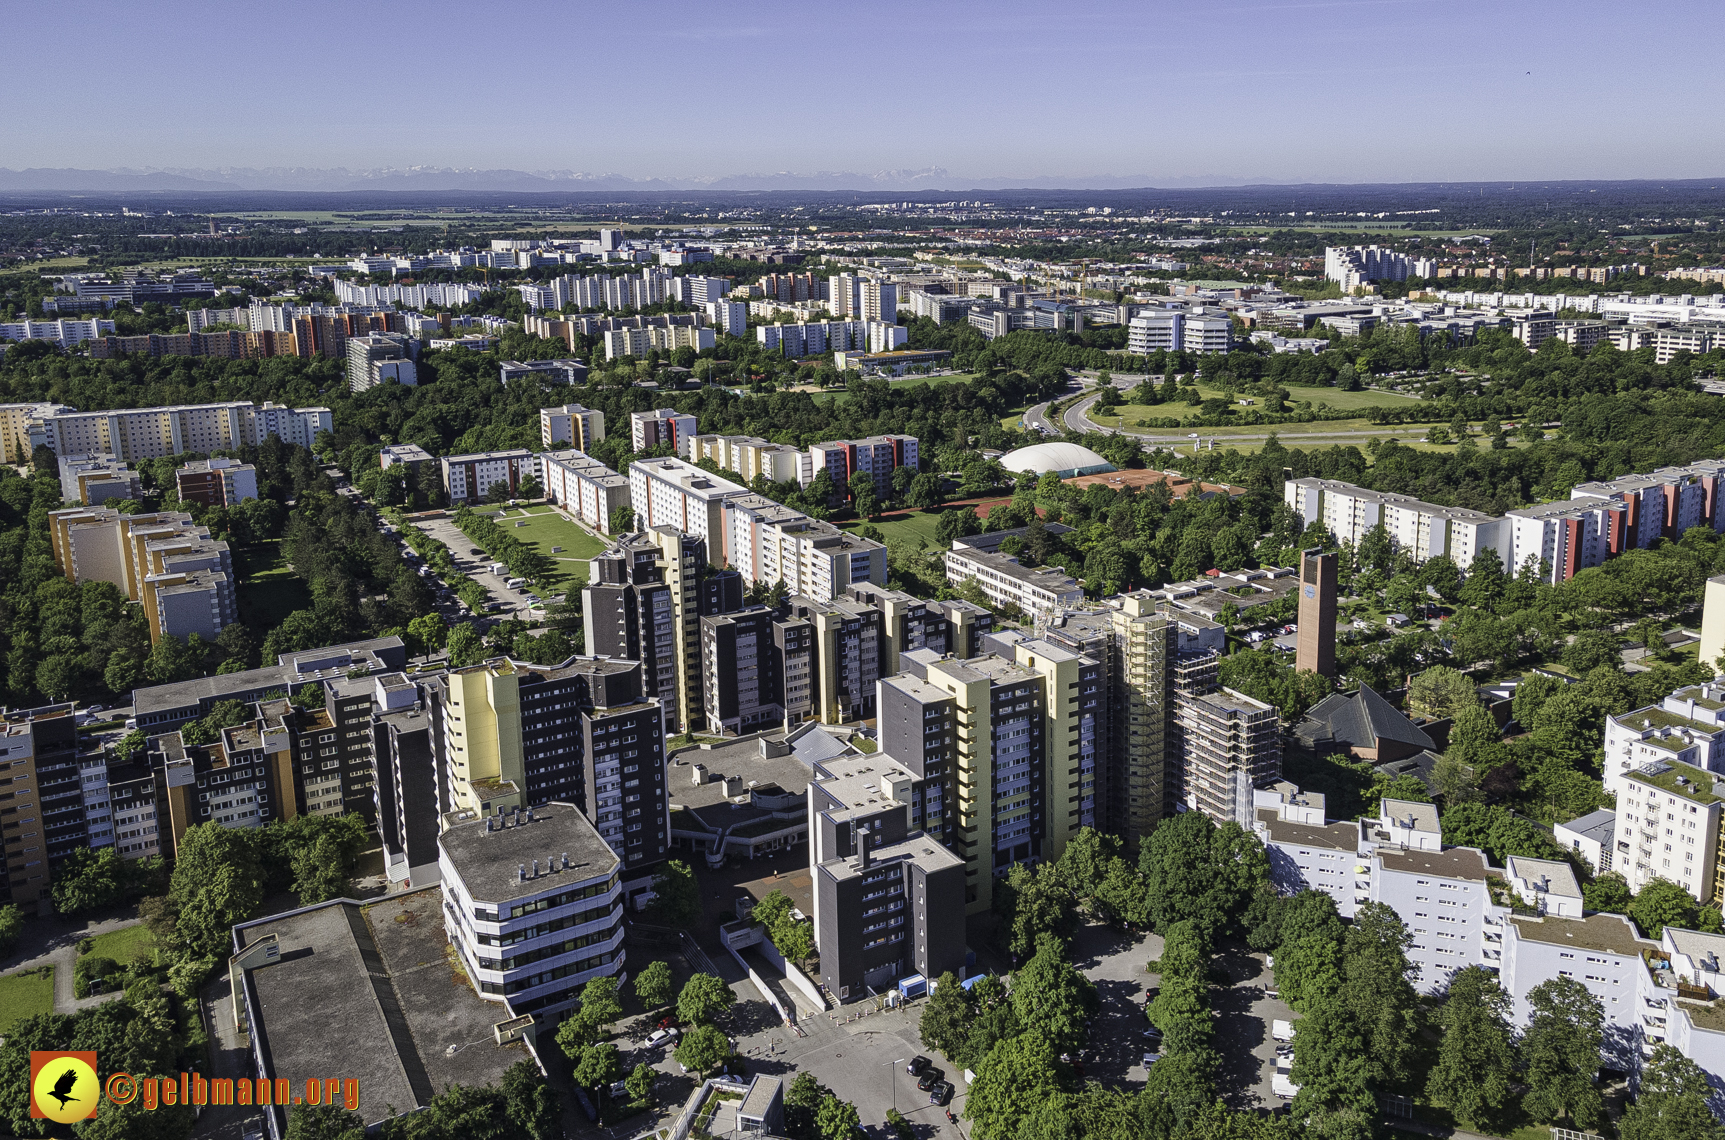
(410, 454)
(560, 371)
(1004, 580)
(95, 479)
(1592, 837)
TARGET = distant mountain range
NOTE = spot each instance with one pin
(427, 178)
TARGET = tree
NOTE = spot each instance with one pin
(677, 901)
(640, 1083)
(1560, 1052)
(704, 997)
(653, 984)
(622, 520)
(1673, 1101)
(1051, 998)
(598, 1066)
(1376, 990)
(427, 634)
(702, 1048)
(1663, 903)
(1609, 892)
(1011, 1082)
(88, 879)
(836, 1119)
(945, 1020)
(1440, 692)
(11, 927)
(530, 488)
(599, 1008)
(217, 883)
(324, 1122)
(926, 490)
(498, 492)
(529, 1103)
(1475, 1062)
(1035, 901)
(1197, 871)
(466, 647)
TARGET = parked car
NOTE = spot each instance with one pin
(941, 1094)
(931, 1076)
(1151, 1059)
(917, 1065)
(661, 1036)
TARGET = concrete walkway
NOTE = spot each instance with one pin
(53, 941)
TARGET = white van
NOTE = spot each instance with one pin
(516, 583)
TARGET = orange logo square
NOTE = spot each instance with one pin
(63, 1086)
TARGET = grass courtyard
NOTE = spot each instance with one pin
(125, 945)
(544, 529)
(25, 995)
(907, 527)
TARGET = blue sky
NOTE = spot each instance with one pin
(1166, 93)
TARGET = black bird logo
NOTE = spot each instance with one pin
(63, 1087)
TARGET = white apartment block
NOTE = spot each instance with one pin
(150, 433)
(1353, 266)
(530, 939)
(750, 456)
(665, 425)
(728, 317)
(695, 291)
(1153, 332)
(1687, 727)
(1425, 530)
(878, 301)
(467, 478)
(812, 338)
(584, 487)
(768, 542)
(435, 296)
(1668, 815)
(63, 332)
(673, 492)
(884, 336)
(571, 424)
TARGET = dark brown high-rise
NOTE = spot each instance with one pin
(1315, 648)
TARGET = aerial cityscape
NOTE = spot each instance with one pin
(563, 610)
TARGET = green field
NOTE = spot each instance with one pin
(908, 527)
(269, 590)
(545, 528)
(25, 995)
(124, 945)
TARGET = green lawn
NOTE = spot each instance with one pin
(909, 527)
(269, 590)
(545, 528)
(25, 995)
(124, 945)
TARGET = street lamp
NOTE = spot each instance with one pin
(892, 1079)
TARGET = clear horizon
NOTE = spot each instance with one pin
(1112, 95)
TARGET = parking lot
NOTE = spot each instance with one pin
(510, 603)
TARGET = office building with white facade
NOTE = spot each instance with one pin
(1005, 581)
(533, 904)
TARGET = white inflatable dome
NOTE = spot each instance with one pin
(1064, 459)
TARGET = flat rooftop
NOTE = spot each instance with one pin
(923, 850)
(489, 861)
(858, 783)
(394, 1001)
(1456, 863)
(1331, 836)
(1609, 932)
